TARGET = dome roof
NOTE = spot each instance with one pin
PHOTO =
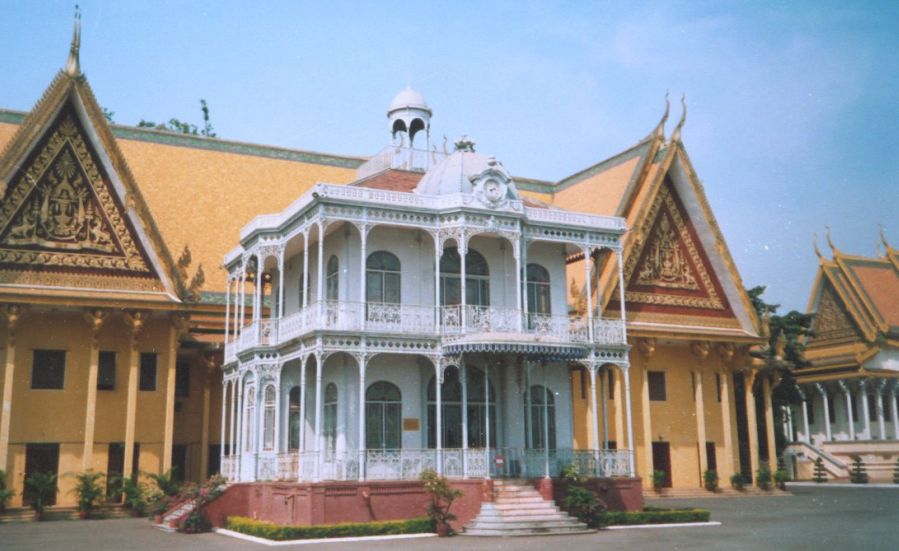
(409, 98)
(459, 172)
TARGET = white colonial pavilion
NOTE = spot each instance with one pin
(356, 350)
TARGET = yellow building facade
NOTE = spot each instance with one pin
(113, 297)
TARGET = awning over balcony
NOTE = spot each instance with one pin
(516, 344)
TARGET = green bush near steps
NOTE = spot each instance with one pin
(652, 515)
(277, 532)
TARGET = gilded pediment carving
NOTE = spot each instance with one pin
(62, 212)
(669, 268)
(831, 320)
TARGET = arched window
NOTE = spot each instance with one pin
(293, 419)
(331, 279)
(538, 295)
(383, 416)
(451, 400)
(477, 279)
(540, 398)
(329, 430)
(382, 278)
(268, 419)
(249, 416)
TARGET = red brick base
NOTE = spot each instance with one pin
(617, 494)
(333, 502)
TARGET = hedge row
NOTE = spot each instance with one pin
(277, 532)
(655, 516)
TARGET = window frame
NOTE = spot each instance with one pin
(35, 365)
(142, 377)
(657, 393)
(386, 277)
(101, 384)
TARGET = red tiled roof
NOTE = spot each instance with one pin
(392, 180)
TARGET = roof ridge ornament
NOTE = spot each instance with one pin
(73, 65)
(833, 247)
(675, 136)
(883, 239)
(660, 128)
(465, 143)
(815, 244)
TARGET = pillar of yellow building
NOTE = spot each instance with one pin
(13, 313)
(700, 351)
(135, 321)
(769, 424)
(646, 348)
(752, 425)
(726, 354)
(175, 329)
(95, 320)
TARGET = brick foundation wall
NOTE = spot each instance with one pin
(618, 494)
(334, 502)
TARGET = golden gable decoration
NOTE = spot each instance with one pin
(831, 320)
(670, 269)
(63, 213)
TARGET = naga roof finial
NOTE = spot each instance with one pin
(73, 66)
(675, 136)
(817, 250)
(883, 239)
(829, 240)
(660, 128)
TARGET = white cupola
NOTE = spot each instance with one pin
(408, 116)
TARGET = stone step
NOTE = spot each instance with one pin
(503, 506)
(528, 523)
(533, 531)
(534, 499)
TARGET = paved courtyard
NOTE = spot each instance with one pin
(823, 519)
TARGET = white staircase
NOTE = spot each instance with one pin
(519, 510)
(170, 519)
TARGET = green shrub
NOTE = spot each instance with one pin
(276, 532)
(40, 488)
(658, 479)
(582, 504)
(89, 490)
(859, 473)
(442, 498)
(820, 475)
(711, 480)
(737, 481)
(763, 477)
(165, 482)
(781, 477)
(895, 476)
(656, 516)
(5, 493)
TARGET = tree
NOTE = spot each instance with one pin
(820, 475)
(859, 473)
(786, 348)
(180, 127)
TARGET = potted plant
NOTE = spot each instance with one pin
(89, 491)
(781, 477)
(133, 495)
(658, 480)
(763, 477)
(737, 481)
(5, 493)
(711, 480)
(40, 488)
(442, 498)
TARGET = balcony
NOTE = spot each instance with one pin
(402, 158)
(453, 323)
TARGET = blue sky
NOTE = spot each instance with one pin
(793, 117)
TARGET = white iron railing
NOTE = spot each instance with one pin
(408, 464)
(403, 158)
(608, 331)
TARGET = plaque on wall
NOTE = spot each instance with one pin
(410, 423)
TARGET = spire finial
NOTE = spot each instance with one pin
(683, 118)
(660, 128)
(815, 243)
(73, 66)
(830, 244)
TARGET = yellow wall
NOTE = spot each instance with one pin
(58, 416)
(674, 420)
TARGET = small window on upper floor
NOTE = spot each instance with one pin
(148, 362)
(182, 380)
(106, 370)
(382, 278)
(48, 369)
(657, 390)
